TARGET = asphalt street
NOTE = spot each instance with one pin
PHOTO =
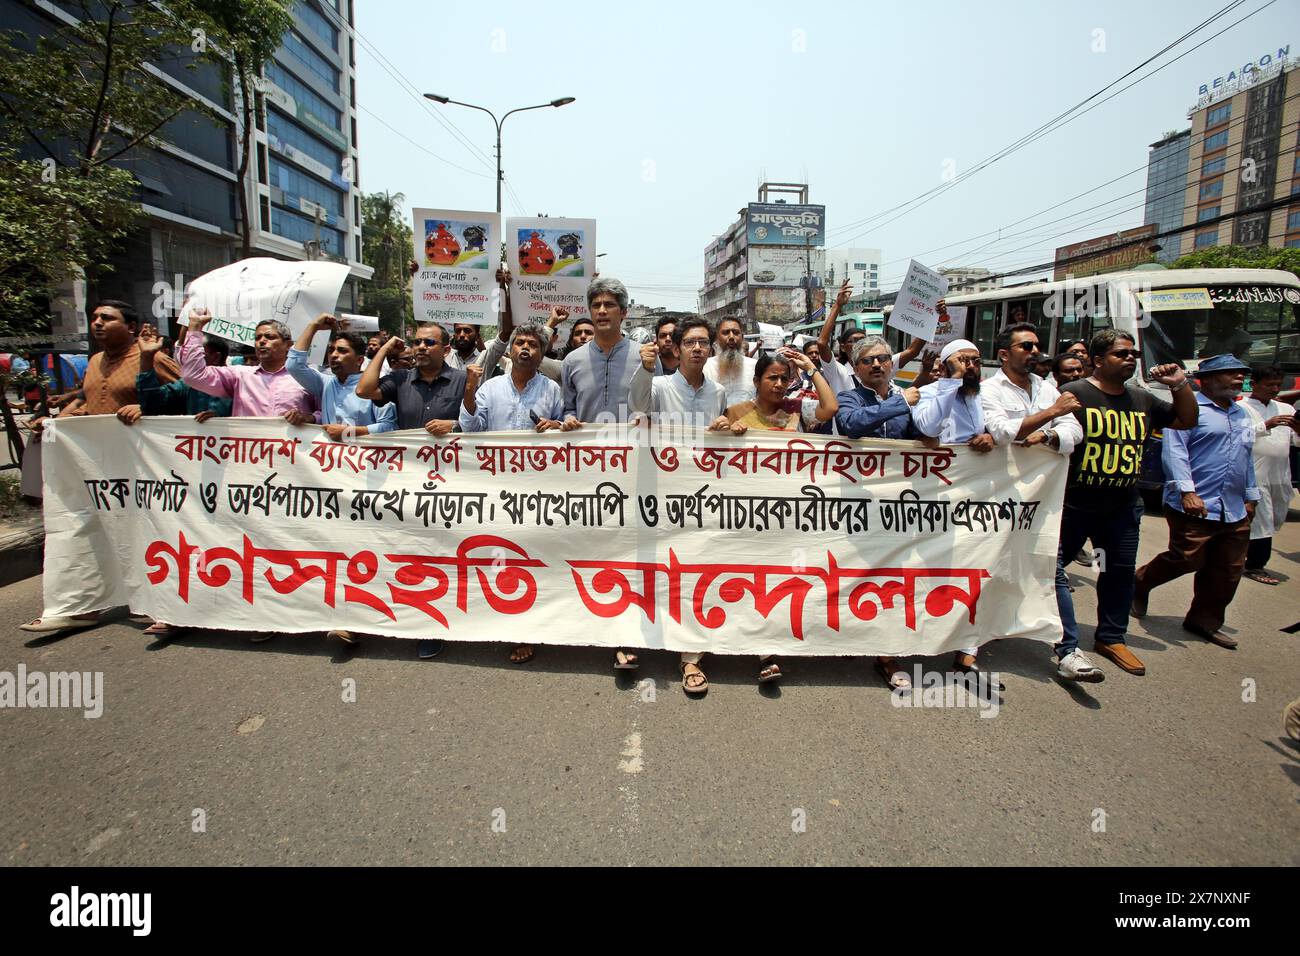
(215, 750)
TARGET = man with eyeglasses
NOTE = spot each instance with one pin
(1021, 407)
(875, 407)
(1101, 494)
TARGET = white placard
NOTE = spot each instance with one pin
(771, 337)
(552, 261)
(251, 291)
(915, 310)
(458, 254)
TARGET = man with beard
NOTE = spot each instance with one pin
(1210, 500)
(950, 410)
(1067, 368)
(466, 347)
(1101, 494)
(838, 369)
(730, 367)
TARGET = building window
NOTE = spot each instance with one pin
(860, 266)
(316, 64)
(1219, 114)
(304, 97)
(317, 24)
(1293, 243)
(1217, 141)
(292, 225)
(1212, 190)
(1293, 221)
(1209, 212)
(293, 135)
(300, 185)
(1204, 239)
(1213, 167)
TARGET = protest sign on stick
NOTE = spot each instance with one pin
(457, 254)
(771, 337)
(245, 293)
(915, 309)
(552, 261)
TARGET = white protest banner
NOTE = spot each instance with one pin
(771, 337)
(611, 536)
(552, 261)
(915, 311)
(250, 291)
(458, 253)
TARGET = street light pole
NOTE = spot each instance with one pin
(562, 101)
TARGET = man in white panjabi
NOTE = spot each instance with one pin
(1275, 434)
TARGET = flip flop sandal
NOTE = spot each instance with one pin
(771, 671)
(1262, 577)
(526, 650)
(698, 689)
(161, 629)
(625, 661)
(50, 625)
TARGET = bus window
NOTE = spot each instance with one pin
(984, 328)
(1039, 321)
(1258, 333)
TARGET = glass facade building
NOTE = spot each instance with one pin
(1166, 183)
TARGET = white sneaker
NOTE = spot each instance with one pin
(1075, 666)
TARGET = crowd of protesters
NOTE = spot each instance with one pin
(1227, 491)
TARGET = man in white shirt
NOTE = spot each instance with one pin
(731, 368)
(1021, 407)
(684, 398)
(950, 411)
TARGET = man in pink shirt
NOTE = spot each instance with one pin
(258, 391)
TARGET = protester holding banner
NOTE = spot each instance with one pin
(343, 412)
(1210, 499)
(428, 395)
(258, 391)
(173, 398)
(771, 409)
(683, 399)
(875, 407)
(494, 357)
(1101, 497)
(596, 376)
(731, 367)
(111, 375)
(1019, 406)
(522, 400)
(950, 410)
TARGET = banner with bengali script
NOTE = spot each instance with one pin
(610, 536)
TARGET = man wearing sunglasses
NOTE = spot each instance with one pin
(875, 407)
(1023, 408)
(428, 396)
(1101, 495)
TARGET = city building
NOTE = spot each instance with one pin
(303, 186)
(1243, 153)
(768, 265)
(969, 279)
(1166, 184)
(861, 266)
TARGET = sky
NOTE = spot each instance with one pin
(683, 108)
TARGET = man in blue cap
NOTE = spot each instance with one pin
(1210, 497)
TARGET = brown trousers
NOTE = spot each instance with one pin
(1215, 551)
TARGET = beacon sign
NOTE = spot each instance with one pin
(1257, 71)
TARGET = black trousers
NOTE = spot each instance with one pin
(1257, 555)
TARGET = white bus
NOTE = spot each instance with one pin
(1174, 315)
(1252, 313)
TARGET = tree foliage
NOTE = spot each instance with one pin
(1241, 257)
(386, 244)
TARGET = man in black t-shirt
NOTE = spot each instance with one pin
(1101, 496)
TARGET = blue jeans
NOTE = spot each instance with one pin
(1115, 535)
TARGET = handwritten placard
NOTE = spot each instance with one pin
(915, 310)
